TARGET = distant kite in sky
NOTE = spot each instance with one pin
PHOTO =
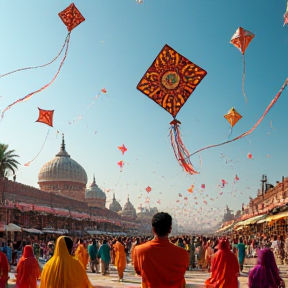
(202, 186)
(286, 15)
(121, 165)
(148, 189)
(46, 117)
(249, 156)
(232, 117)
(241, 39)
(123, 149)
(71, 17)
(255, 125)
(180, 195)
(191, 189)
(236, 178)
(159, 202)
(169, 82)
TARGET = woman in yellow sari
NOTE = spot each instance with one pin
(62, 270)
(120, 258)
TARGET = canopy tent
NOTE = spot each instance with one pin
(277, 216)
(11, 227)
(32, 230)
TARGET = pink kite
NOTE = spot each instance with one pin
(237, 178)
(148, 189)
(249, 156)
(123, 149)
(203, 186)
(120, 164)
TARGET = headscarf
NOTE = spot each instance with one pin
(28, 270)
(63, 271)
(4, 267)
(225, 267)
(265, 274)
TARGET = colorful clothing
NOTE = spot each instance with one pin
(241, 253)
(4, 269)
(28, 270)
(120, 258)
(82, 255)
(63, 271)
(265, 273)
(161, 264)
(225, 268)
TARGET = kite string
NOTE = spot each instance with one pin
(28, 163)
(243, 78)
(40, 66)
(27, 97)
(253, 128)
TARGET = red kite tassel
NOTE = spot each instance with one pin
(180, 151)
(243, 78)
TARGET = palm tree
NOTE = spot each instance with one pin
(7, 160)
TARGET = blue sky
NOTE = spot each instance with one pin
(113, 48)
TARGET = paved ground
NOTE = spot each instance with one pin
(194, 279)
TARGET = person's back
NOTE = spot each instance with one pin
(63, 271)
(161, 263)
(225, 268)
(28, 270)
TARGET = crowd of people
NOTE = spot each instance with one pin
(159, 260)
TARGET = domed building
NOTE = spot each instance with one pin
(115, 205)
(63, 175)
(128, 212)
(94, 196)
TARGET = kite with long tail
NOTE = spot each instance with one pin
(254, 127)
(71, 17)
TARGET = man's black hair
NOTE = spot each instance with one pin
(162, 222)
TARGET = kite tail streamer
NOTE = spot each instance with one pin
(254, 127)
(40, 66)
(180, 151)
(243, 78)
(28, 163)
(286, 15)
(27, 97)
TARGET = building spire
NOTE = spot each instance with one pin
(62, 152)
(114, 196)
(63, 143)
(94, 181)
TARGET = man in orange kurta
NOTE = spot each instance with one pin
(28, 270)
(225, 268)
(160, 263)
(81, 254)
(120, 258)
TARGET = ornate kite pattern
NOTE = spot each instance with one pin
(71, 17)
(170, 80)
(46, 117)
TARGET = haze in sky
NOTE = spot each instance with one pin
(112, 49)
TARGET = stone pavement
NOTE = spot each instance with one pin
(194, 279)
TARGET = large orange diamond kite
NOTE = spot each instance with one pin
(169, 82)
(46, 117)
(71, 17)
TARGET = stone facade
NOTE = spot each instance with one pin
(268, 197)
(17, 192)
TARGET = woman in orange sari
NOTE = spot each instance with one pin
(120, 258)
(62, 270)
(81, 254)
(4, 269)
(28, 270)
